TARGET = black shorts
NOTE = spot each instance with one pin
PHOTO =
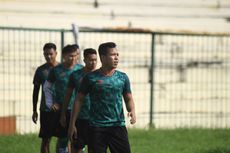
(58, 130)
(82, 134)
(45, 125)
(116, 138)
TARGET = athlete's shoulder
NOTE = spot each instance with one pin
(78, 71)
(78, 66)
(118, 72)
(42, 66)
(57, 67)
(93, 74)
(121, 75)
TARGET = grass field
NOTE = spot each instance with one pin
(142, 141)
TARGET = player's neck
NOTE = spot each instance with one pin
(85, 69)
(53, 64)
(107, 71)
(69, 66)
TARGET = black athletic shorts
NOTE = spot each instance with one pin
(116, 138)
(58, 130)
(82, 134)
(45, 124)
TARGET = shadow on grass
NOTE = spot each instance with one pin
(216, 150)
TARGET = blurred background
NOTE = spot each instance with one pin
(196, 15)
(176, 53)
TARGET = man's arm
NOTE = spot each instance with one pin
(65, 105)
(130, 106)
(35, 101)
(76, 109)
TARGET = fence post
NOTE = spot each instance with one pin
(62, 40)
(151, 123)
(75, 31)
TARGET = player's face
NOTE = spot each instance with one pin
(70, 58)
(91, 61)
(111, 58)
(50, 55)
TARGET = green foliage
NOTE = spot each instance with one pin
(141, 141)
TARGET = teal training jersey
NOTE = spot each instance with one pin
(106, 94)
(59, 77)
(40, 77)
(75, 81)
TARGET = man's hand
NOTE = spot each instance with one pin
(35, 117)
(55, 107)
(72, 133)
(132, 116)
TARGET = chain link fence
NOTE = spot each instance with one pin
(178, 80)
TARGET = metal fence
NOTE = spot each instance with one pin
(178, 80)
(191, 81)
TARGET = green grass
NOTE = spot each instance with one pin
(29, 143)
(142, 141)
(180, 141)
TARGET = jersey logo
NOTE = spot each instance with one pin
(99, 81)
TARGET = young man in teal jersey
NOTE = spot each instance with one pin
(58, 78)
(82, 123)
(41, 74)
(106, 87)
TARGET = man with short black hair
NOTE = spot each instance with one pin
(41, 74)
(82, 123)
(55, 88)
(106, 87)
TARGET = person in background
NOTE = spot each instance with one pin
(58, 79)
(41, 74)
(82, 123)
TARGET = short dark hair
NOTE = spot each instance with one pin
(68, 49)
(49, 46)
(89, 51)
(75, 46)
(104, 46)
